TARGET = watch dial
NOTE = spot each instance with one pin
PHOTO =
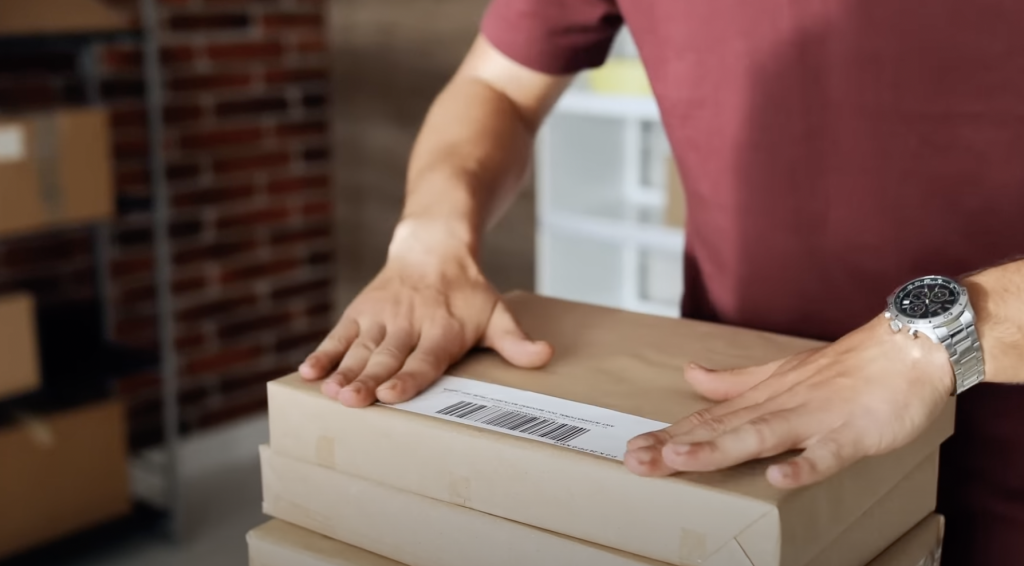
(927, 298)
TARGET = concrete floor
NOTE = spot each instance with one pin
(221, 482)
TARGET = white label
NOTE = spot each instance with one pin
(530, 415)
(12, 144)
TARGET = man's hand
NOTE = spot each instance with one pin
(866, 394)
(423, 312)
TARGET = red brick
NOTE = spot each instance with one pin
(122, 88)
(38, 252)
(254, 217)
(303, 183)
(320, 208)
(292, 290)
(134, 384)
(306, 339)
(217, 307)
(130, 175)
(189, 284)
(215, 251)
(131, 265)
(265, 161)
(294, 76)
(293, 21)
(128, 147)
(129, 115)
(216, 137)
(206, 82)
(311, 45)
(318, 128)
(190, 342)
(241, 51)
(249, 401)
(303, 234)
(183, 171)
(255, 105)
(136, 331)
(252, 325)
(183, 113)
(125, 58)
(208, 22)
(214, 196)
(259, 270)
(137, 294)
(223, 360)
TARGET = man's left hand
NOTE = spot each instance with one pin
(866, 394)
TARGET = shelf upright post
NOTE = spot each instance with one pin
(162, 256)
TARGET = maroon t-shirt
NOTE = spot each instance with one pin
(832, 150)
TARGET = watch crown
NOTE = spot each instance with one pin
(895, 326)
(913, 333)
(887, 315)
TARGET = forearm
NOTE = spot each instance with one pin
(468, 162)
(997, 295)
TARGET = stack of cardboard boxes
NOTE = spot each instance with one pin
(63, 465)
(501, 466)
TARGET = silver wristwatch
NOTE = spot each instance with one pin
(939, 308)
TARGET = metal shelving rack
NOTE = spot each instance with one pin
(86, 46)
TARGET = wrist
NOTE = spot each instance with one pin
(419, 239)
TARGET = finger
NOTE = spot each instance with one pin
(647, 461)
(385, 361)
(329, 353)
(722, 385)
(423, 367)
(355, 359)
(504, 335)
(822, 458)
(762, 437)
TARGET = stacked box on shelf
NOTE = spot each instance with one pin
(278, 543)
(19, 347)
(424, 490)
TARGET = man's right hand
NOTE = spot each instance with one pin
(424, 311)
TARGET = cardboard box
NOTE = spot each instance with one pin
(61, 473)
(55, 170)
(277, 543)
(420, 531)
(621, 361)
(922, 546)
(23, 17)
(19, 347)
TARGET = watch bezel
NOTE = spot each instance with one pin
(958, 308)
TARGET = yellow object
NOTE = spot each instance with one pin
(620, 75)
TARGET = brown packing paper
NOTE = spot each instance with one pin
(55, 169)
(61, 473)
(621, 361)
(420, 531)
(19, 350)
(277, 543)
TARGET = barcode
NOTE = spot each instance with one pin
(514, 420)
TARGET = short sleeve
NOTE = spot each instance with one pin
(553, 36)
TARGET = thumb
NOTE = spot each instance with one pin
(722, 385)
(504, 336)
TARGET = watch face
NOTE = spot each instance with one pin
(930, 298)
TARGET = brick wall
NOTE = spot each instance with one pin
(247, 162)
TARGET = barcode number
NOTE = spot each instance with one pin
(514, 421)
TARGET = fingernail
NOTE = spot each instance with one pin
(356, 388)
(389, 386)
(642, 442)
(695, 365)
(680, 449)
(330, 389)
(780, 473)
